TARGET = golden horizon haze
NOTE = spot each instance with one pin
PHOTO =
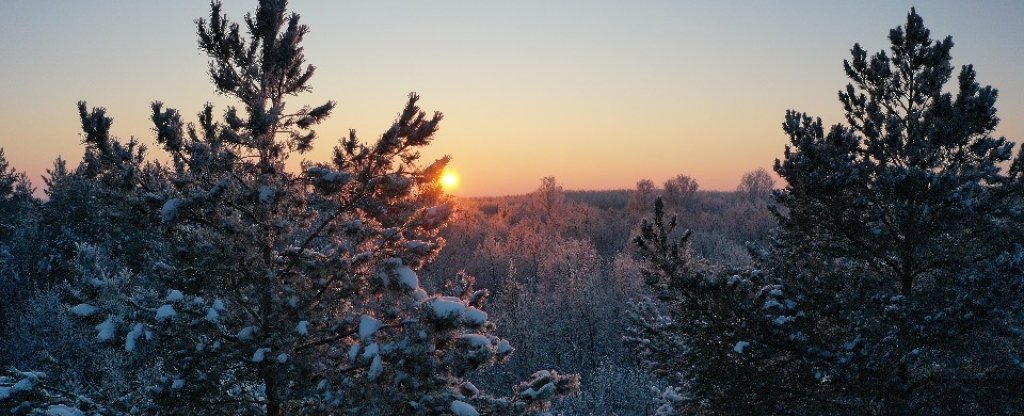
(598, 94)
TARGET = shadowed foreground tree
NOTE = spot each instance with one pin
(895, 282)
(279, 292)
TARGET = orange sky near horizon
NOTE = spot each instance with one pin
(599, 94)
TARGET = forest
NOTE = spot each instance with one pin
(883, 275)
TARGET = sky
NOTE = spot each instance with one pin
(599, 94)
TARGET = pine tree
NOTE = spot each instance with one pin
(900, 235)
(277, 292)
(913, 185)
(893, 285)
(15, 197)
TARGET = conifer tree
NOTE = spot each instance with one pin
(15, 197)
(912, 185)
(901, 232)
(278, 292)
(894, 284)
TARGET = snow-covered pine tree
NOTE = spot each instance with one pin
(704, 328)
(913, 185)
(902, 229)
(893, 286)
(282, 292)
(16, 216)
(15, 197)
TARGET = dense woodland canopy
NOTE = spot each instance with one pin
(884, 277)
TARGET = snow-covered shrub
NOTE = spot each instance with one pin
(614, 389)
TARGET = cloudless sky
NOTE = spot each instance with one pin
(598, 94)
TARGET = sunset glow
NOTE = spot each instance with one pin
(449, 180)
(528, 90)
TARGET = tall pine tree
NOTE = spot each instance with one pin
(278, 292)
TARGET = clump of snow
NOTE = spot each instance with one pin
(330, 176)
(178, 384)
(302, 328)
(376, 368)
(461, 408)
(170, 209)
(353, 351)
(667, 400)
(545, 392)
(24, 384)
(5, 392)
(165, 312)
(63, 410)
(419, 294)
(133, 337)
(474, 316)
(212, 315)
(445, 307)
(504, 347)
(784, 319)
(266, 194)
(476, 340)
(367, 327)
(246, 333)
(218, 305)
(407, 278)
(282, 358)
(106, 330)
(260, 354)
(84, 310)
(740, 347)
(175, 296)
(371, 351)
(384, 277)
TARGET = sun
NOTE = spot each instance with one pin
(449, 180)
